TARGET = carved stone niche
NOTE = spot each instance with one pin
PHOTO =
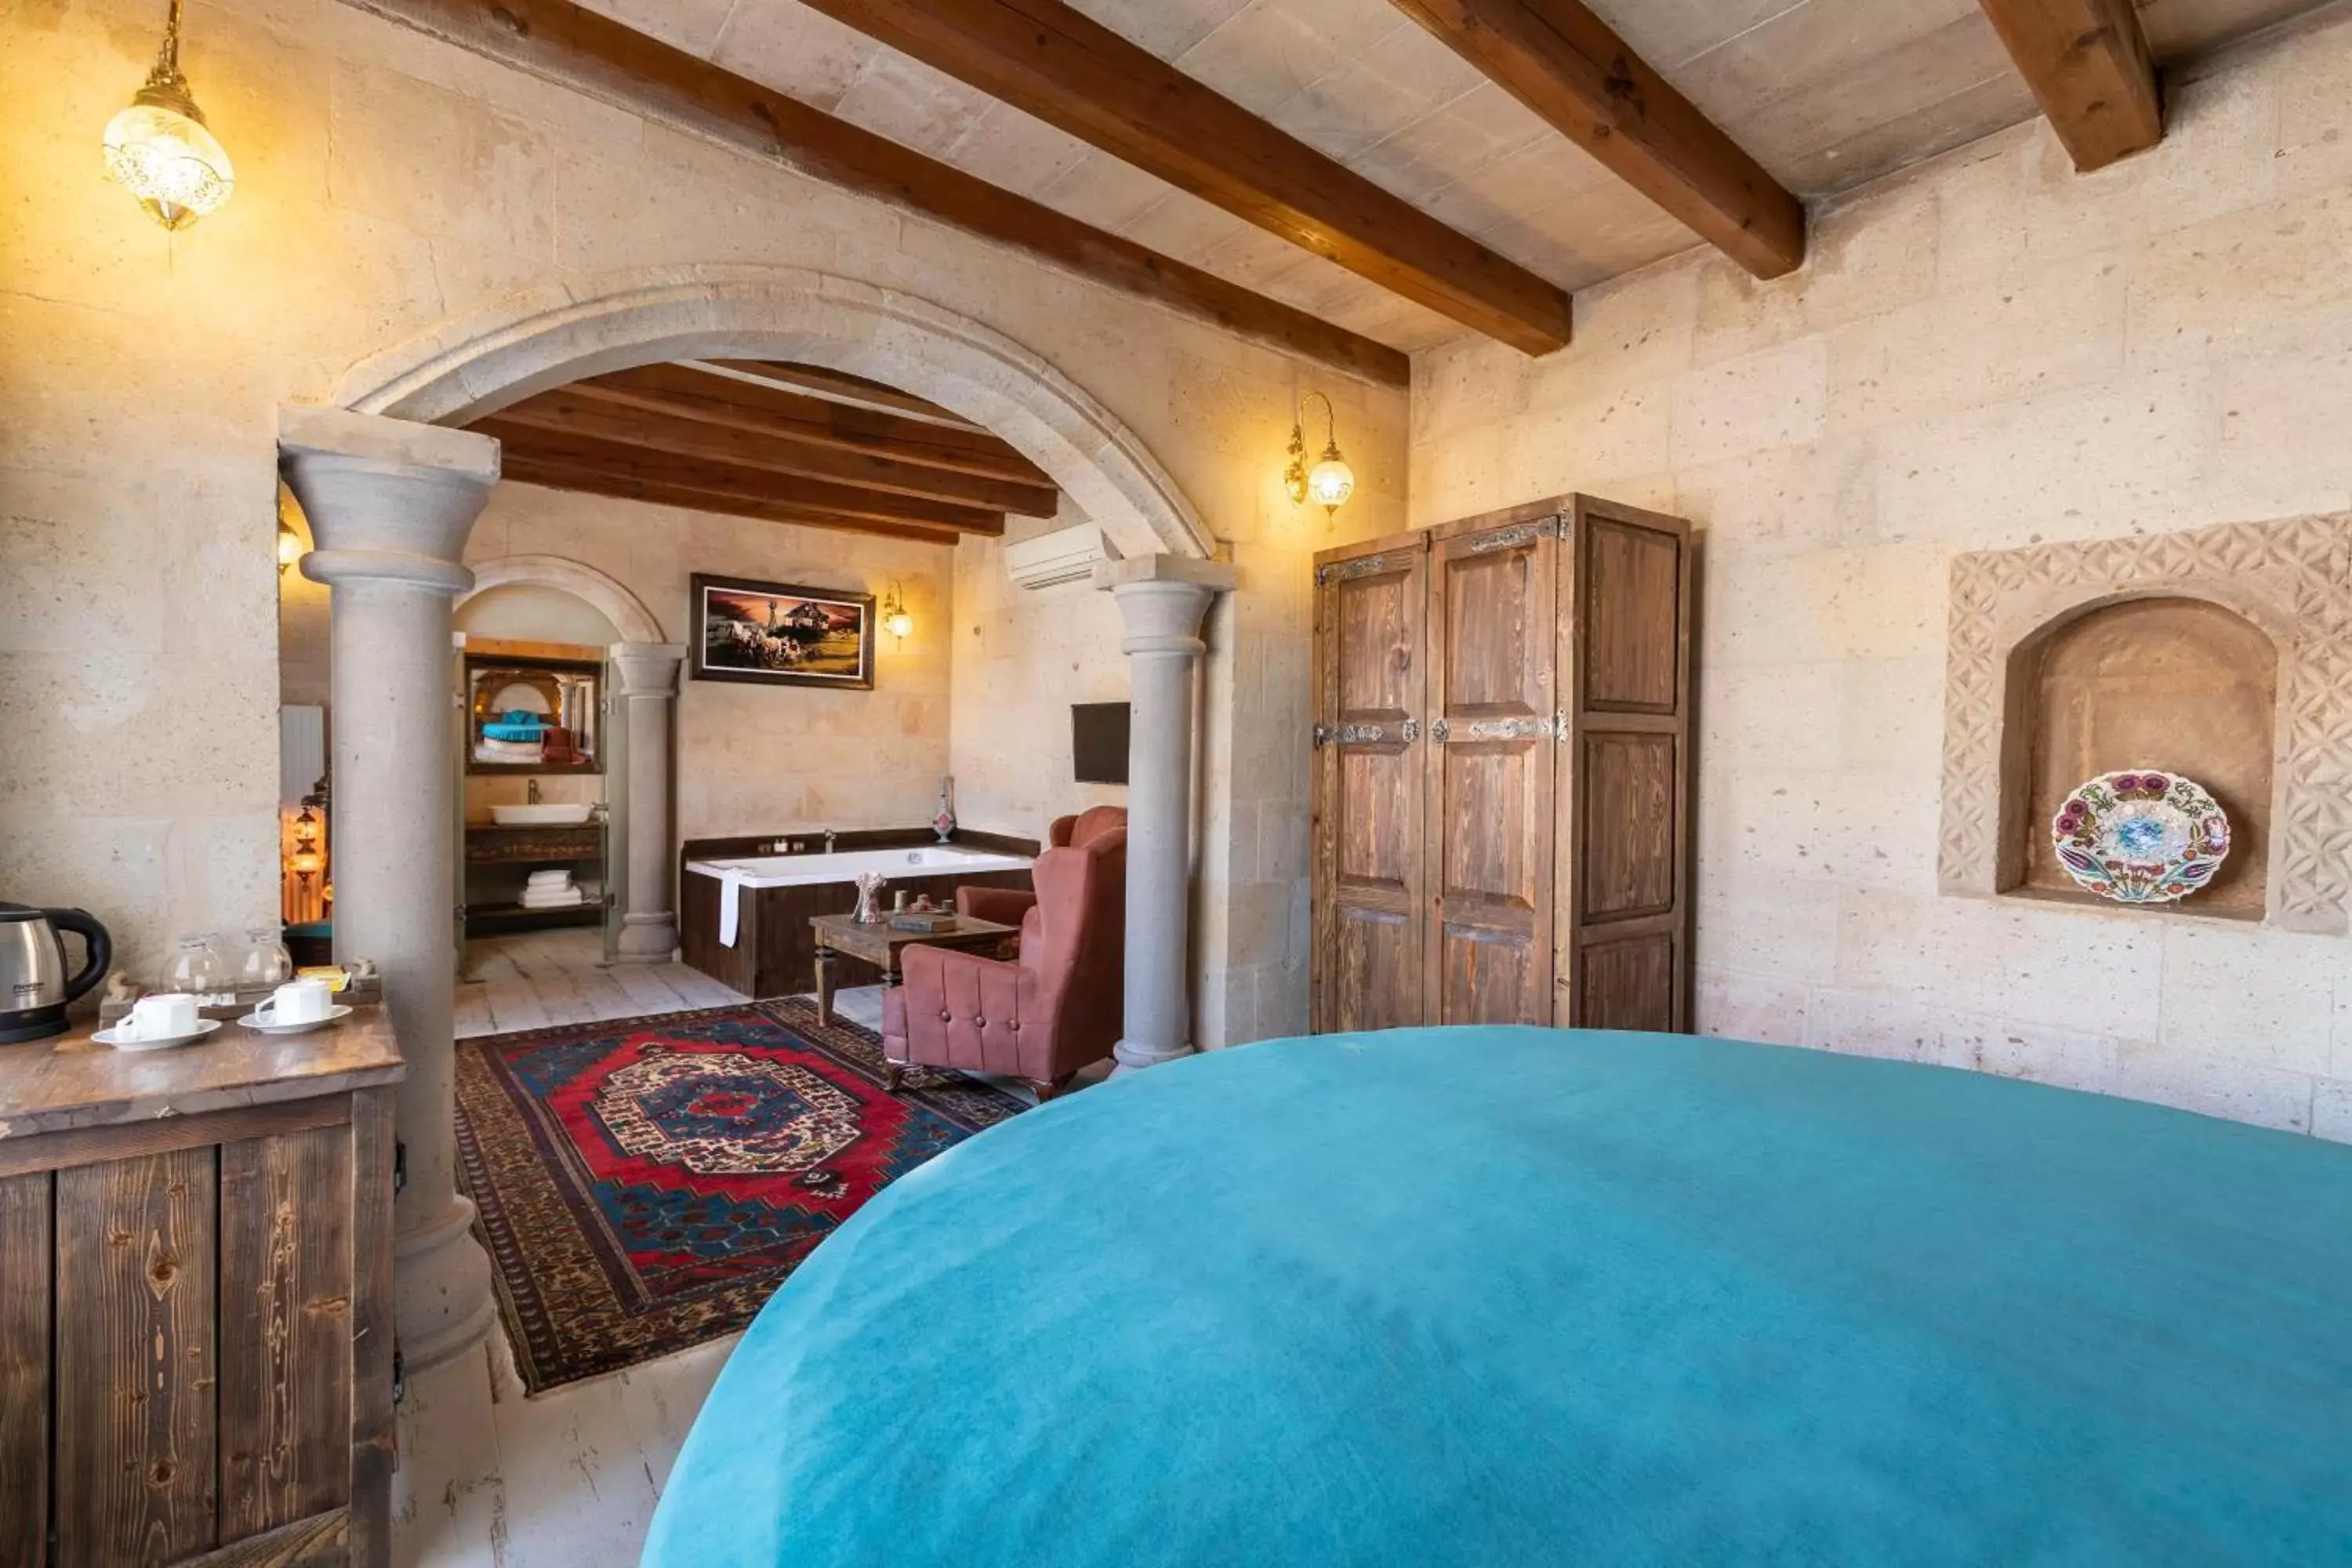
(2222, 653)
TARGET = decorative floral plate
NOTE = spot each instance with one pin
(2141, 837)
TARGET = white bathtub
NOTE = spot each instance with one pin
(797, 870)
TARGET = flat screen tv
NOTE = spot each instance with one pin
(1098, 741)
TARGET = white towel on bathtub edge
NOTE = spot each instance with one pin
(730, 885)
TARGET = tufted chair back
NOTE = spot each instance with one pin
(1050, 1012)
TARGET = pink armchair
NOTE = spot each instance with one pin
(1009, 906)
(1044, 1016)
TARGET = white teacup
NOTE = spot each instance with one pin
(159, 1017)
(297, 1002)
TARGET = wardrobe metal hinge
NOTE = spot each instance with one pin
(1347, 571)
(1550, 727)
(399, 1376)
(399, 1167)
(1322, 733)
(1514, 537)
(1412, 731)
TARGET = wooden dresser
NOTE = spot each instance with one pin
(195, 1300)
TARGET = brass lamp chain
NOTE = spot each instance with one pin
(165, 87)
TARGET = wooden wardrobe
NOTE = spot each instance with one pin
(1501, 772)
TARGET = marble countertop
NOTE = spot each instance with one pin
(72, 1080)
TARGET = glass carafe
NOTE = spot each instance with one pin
(268, 964)
(196, 968)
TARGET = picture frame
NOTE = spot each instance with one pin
(782, 633)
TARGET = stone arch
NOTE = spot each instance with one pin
(561, 331)
(608, 598)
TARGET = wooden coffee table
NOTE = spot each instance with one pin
(880, 945)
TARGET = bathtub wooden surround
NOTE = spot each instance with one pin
(775, 953)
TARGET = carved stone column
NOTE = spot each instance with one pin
(390, 503)
(648, 677)
(1162, 598)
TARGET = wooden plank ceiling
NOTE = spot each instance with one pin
(785, 443)
(1348, 179)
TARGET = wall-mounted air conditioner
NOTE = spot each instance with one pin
(1064, 555)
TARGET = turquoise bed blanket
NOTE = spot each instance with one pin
(1531, 1297)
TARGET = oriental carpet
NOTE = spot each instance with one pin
(644, 1184)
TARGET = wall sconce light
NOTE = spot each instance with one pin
(1331, 481)
(160, 149)
(290, 547)
(895, 618)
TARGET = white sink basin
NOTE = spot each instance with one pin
(539, 815)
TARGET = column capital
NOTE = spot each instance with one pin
(387, 499)
(647, 668)
(1162, 599)
(1216, 576)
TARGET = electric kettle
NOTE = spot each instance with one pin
(33, 989)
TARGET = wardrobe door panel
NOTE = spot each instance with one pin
(1489, 801)
(1623, 900)
(1370, 629)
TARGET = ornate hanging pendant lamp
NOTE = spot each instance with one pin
(160, 149)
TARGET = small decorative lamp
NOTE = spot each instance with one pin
(159, 149)
(1331, 481)
(895, 618)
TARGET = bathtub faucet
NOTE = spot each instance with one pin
(828, 840)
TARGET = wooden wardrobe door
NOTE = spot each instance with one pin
(1368, 636)
(1490, 770)
(1623, 959)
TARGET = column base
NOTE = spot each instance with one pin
(1134, 1055)
(442, 1305)
(647, 939)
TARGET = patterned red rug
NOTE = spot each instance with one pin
(645, 1183)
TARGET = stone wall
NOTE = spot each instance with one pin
(386, 184)
(1988, 350)
(1022, 656)
(756, 759)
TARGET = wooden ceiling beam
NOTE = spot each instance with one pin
(546, 450)
(841, 383)
(575, 49)
(560, 477)
(1071, 71)
(685, 392)
(573, 411)
(1568, 65)
(2088, 64)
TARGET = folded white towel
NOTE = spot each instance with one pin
(564, 899)
(731, 894)
(551, 879)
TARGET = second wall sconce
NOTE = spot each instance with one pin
(1331, 481)
(895, 618)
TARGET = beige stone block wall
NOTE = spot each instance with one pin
(387, 184)
(1987, 350)
(757, 759)
(1020, 657)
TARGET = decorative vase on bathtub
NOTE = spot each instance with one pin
(944, 823)
(869, 898)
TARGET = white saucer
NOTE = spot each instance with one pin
(257, 1022)
(163, 1042)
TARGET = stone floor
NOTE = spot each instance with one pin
(489, 1479)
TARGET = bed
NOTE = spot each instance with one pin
(1530, 1295)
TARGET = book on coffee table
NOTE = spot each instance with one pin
(930, 922)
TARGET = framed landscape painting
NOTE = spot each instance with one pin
(781, 634)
